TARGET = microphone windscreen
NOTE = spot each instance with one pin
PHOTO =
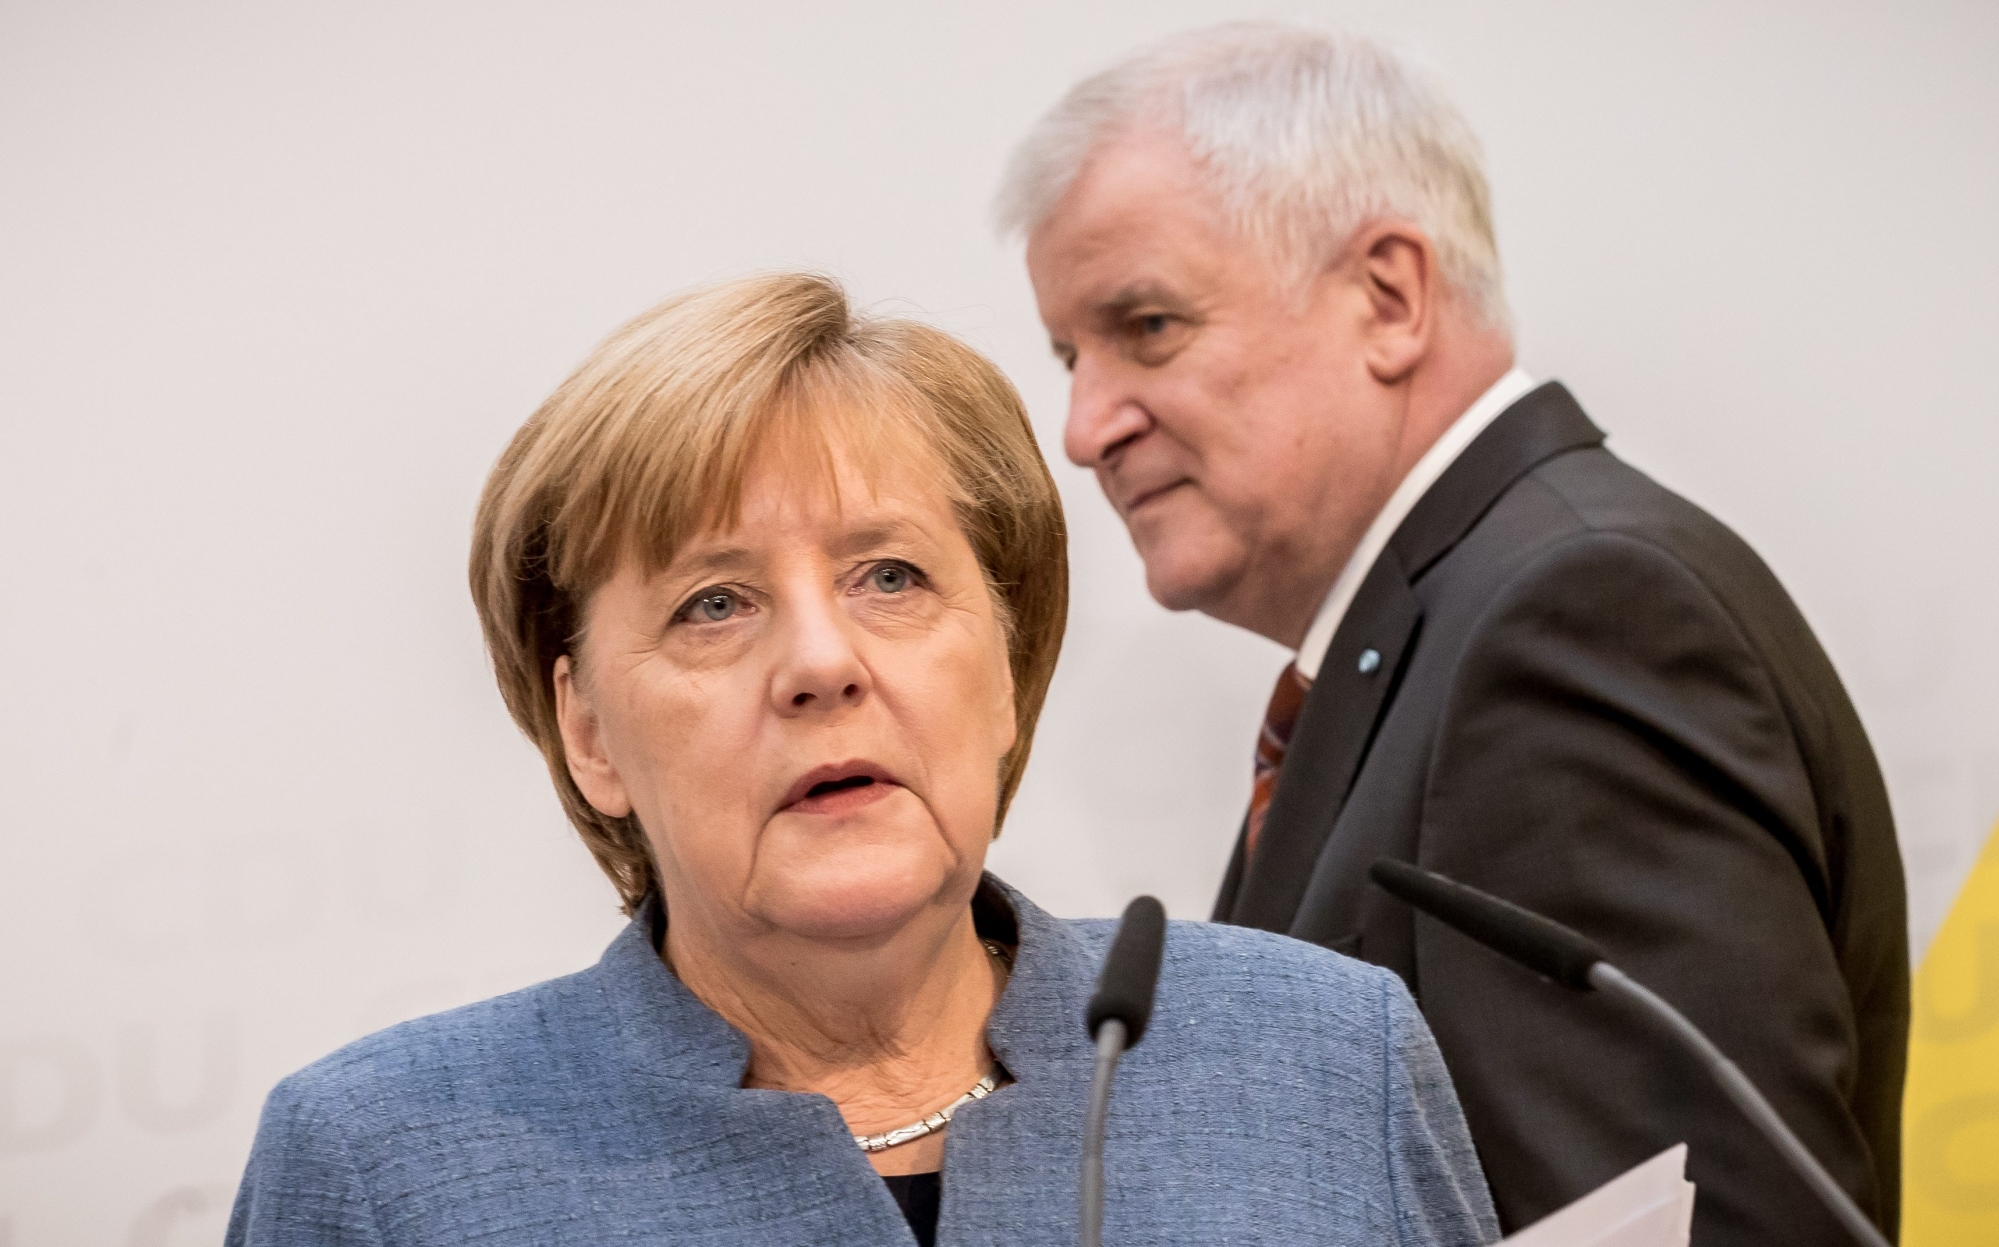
(1541, 944)
(1131, 971)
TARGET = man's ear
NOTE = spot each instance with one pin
(583, 746)
(1396, 266)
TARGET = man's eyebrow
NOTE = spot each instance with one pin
(1134, 294)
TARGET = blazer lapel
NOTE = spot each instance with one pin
(1347, 703)
(1232, 878)
(1331, 739)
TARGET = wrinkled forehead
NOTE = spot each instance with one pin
(1136, 179)
(1133, 218)
(1140, 222)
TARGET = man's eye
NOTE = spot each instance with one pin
(712, 607)
(890, 578)
(1155, 323)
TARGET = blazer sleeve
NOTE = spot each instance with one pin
(302, 1186)
(1614, 754)
(1439, 1191)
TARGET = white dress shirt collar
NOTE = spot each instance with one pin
(1503, 394)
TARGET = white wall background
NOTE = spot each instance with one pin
(277, 281)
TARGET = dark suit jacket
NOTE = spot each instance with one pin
(1594, 700)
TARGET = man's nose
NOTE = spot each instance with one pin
(820, 669)
(1103, 416)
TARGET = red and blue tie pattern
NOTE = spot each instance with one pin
(1279, 720)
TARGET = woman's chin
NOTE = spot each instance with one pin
(858, 895)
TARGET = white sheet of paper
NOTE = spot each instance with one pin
(1649, 1206)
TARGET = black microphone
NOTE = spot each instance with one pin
(1116, 1020)
(1542, 945)
(1554, 951)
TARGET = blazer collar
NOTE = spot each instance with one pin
(1036, 1028)
(665, 1029)
(1363, 665)
(1543, 423)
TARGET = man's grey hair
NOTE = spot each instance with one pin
(1303, 135)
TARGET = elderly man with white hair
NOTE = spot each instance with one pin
(1266, 255)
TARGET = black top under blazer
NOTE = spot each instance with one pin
(1594, 700)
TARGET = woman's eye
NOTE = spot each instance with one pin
(712, 607)
(1153, 324)
(890, 578)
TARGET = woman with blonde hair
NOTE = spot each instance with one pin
(778, 591)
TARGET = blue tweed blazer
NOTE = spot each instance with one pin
(1284, 1094)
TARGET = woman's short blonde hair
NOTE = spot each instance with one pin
(649, 442)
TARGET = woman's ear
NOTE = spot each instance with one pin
(1010, 729)
(583, 746)
(1006, 727)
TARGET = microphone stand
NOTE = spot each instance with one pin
(1110, 1047)
(1115, 1021)
(1554, 951)
(1612, 981)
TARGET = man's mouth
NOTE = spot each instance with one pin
(1140, 499)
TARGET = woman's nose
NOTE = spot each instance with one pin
(820, 670)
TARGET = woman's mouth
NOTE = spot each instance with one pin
(834, 790)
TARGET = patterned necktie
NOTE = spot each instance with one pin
(1286, 700)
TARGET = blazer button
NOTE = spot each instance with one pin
(1370, 661)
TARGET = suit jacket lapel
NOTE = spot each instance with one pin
(1327, 746)
(1232, 878)
(1346, 704)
